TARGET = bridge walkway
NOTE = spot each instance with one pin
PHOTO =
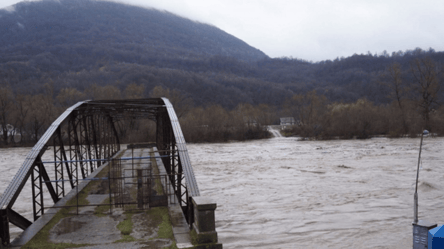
(84, 217)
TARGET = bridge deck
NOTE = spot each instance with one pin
(102, 227)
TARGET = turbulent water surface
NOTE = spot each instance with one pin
(11, 160)
(285, 193)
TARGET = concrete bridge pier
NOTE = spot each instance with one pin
(203, 234)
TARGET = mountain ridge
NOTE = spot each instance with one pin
(106, 43)
(102, 21)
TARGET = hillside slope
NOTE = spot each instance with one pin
(113, 25)
(79, 43)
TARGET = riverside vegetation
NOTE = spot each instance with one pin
(415, 106)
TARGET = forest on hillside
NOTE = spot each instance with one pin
(414, 103)
(55, 53)
(215, 80)
(79, 43)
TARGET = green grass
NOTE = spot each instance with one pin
(157, 217)
(126, 226)
(165, 228)
(160, 216)
(126, 238)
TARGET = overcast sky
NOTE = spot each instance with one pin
(316, 30)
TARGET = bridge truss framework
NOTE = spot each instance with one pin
(82, 139)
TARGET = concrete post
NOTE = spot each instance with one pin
(204, 227)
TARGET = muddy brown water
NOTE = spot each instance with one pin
(285, 193)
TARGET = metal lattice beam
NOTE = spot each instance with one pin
(84, 135)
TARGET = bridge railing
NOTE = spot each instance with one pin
(171, 142)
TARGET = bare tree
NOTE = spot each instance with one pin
(21, 114)
(40, 115)
(398, 91)
(69, 96)
(308, 109)
(427, 84)
(96, 92)
(134, 91)
(6, 105)
(181, 104)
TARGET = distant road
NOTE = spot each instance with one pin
(275, 132)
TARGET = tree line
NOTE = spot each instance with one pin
(415, 94)
(416, 104)
(25, 117)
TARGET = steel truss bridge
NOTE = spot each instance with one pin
(81, 140)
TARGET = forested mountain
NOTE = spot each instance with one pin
(54, 53)
(144, 33)
(80, 43)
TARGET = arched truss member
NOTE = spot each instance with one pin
(83, 135)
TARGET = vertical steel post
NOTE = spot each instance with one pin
(139, 189)
(34, 205)
(58, 164)
(99, 135)
(116, 141)
(37, 191)
(79, 146)
(5, 238)
(45, 178)
(65, 158)
(88, 142)
(94, 134)
(72, 152)
(109, 187)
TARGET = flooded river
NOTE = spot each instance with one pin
(285, 193)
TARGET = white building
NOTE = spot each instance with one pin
(287, 121)
(10, 129)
